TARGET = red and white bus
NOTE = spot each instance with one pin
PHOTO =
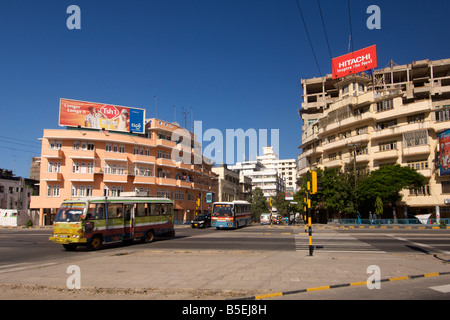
(233, 214)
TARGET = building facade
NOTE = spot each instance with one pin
(231, 186)
(392, 117)
(269, 173)
(85, 162)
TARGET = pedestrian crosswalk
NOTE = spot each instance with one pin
(333, 242)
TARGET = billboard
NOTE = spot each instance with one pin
(444, 153)
(74, 113)
(355, 62)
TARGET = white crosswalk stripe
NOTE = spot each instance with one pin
(334, 243)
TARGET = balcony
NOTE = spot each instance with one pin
(389, 154)
(79, 177)
(341, 143)
(333, 163)
(166, 181)
(82, 154)
(384, 133)
(51, 176)
(53, 153)
(183, 166)
(426, 172)
(144, 180)
(411, 151)
(140, 158)
(166, 162)
(165, 143)
(116, 156)
(184, 184)
(117, 178)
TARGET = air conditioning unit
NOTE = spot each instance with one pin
(447, 201)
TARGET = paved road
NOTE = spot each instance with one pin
(32, 245)
(340, 256)
(21, 247)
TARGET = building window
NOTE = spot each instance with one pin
(386, 124)
(53, 190)
(75, 167)
(361, 151)
(416, 138)
(445, 187)
(385, 105)
(108, 147)
(443, 114)
(74, 191)
(416, 118)
(388, 146)
(54, 167)
(362, 130)
(418, 165)
(423, 191)
(163, 154)
(55, 145)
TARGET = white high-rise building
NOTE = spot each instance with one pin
(269, 173)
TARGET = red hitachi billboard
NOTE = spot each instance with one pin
(355, 62)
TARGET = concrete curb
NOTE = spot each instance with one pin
(344, 285)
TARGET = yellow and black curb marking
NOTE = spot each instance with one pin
(335, 286)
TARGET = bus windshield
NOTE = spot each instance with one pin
(222, 210)
(70, 212)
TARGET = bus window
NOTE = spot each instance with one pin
(69, 215)
(222, 210)
(127, 211)
(114, 210)
(91, 212)
(166, 208)
(99, 211)
(154, 209)
(140, 210)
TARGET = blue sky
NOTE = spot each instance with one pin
(237, 63)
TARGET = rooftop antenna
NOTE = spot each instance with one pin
(349, 43)
(192, 123)
(156, 107)
(174, 113)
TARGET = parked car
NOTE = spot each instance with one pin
(202, 221)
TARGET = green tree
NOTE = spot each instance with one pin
(258, 204)
(280, 203)
(378, 206)
(387, 183)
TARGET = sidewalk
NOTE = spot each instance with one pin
(206, 274)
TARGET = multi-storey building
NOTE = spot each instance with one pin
(268, 172)
(230, 185)
(393, 116)
(88, 162)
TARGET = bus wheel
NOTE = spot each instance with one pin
(96, 243)
(149, 237)
(70, 247)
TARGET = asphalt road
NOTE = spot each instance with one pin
(20, 248)
(32, 245)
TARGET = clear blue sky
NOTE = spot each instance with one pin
(237, 63)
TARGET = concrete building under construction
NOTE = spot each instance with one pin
(389, 116)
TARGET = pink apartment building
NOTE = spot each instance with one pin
(77, 162)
